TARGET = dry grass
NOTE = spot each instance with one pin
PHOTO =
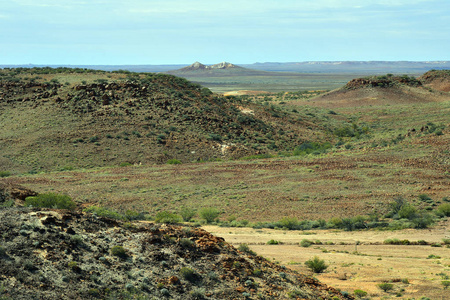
(372, 264)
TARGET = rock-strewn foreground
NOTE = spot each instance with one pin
(56, 254)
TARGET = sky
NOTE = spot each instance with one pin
(140, 32)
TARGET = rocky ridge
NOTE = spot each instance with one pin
(137, 118)
(57, 254)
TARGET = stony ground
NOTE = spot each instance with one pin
(56, 254)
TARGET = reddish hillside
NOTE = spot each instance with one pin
(381, 90)
(437, 79)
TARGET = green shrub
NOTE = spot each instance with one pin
(444, 209)
(209, 214)
(422, 221)
(289, 223)
(386, 286)
(407, 212)
(51, 200)
(424, 197)
(167, 217)
(257, 272)
(311, 148)
(104, 212)
(306, 243)
(347, 224)
(273, 242)
(316, 265)
(246, 249)
(188, 274)
(131, 215)
(2, 251)
(5, 173)
(445, 283)
(119, 251)
(173, 161)
(360, 293)
(397, 205)
(187, 214)
(186, 243)
(72, 265)
(297, 294)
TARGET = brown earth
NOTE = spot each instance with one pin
(374, 91)
(359, 266)
(437, 80)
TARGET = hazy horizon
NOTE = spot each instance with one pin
(175, 32)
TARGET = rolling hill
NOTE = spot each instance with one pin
(382, 90)
(65, 118)
(437, 79)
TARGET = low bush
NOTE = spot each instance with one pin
(289, 223)
(51, 200)
(5, 173)
(445, 283)
(444, 210)
(187, 214)
(306, 243)
(209, 214)
(316, 265)
(186, 243)
(311, 148)
(273, 242)
(246, 249)
(386, 286)
(188, 274)
(360, 293)
(104, 212)
(132, 215)
(173, 161)
(167, 217)
(119, 251)
(297, 294)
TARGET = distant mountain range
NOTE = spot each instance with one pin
(360, 67)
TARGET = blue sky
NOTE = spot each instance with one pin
(210, 31)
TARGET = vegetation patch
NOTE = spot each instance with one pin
(51, 200)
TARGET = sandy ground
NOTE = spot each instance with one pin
(359, 266)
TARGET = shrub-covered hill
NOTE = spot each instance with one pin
(437, 79)
(380, 90)
(55, 254)
(64, 118)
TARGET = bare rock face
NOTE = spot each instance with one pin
(195, 66)
(56, 254)
(223, 65)
(9, 191)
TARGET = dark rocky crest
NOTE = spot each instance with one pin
(55, 254)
